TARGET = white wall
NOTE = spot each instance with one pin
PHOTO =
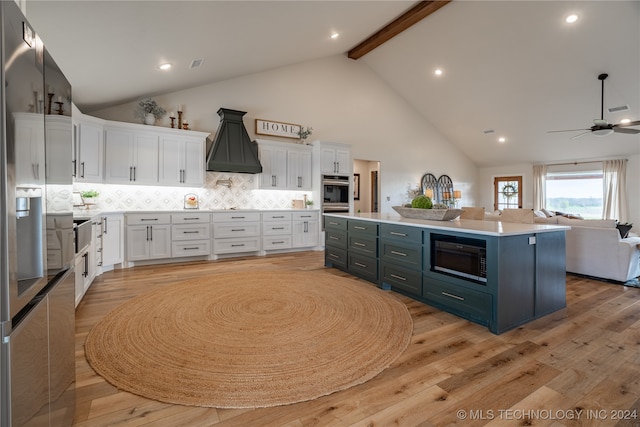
(486, 176)
(344, 101)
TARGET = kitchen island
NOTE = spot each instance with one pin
(497, 274)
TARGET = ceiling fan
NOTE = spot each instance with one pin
(600, 126)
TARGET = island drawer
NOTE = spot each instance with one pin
(335, 257)
(363, 244)
(401, 278)
(335, 223)
(363, 227)
(336, 238)
(404, 255)
(363, 267)
(401, 233)
(467, 303)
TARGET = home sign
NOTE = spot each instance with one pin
(285, 130)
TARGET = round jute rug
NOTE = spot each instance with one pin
(247, 340)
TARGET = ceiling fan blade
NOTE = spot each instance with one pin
(579, 135)
(567, 130)
(624, 125)
(625, 130)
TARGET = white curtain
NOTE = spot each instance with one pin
(615, 190)
(539, 185)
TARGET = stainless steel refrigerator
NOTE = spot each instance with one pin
(37, 327)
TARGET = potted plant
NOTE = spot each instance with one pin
(309, 203)
(304, 133)
(89, 197)
(149, 111)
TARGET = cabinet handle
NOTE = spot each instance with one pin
(82, 169)
(279, 216)
(104, 225)
(273, 180)
(191, 249)
(357, 227)
(278, 242)
(73, 168)
(333, 223)
(299, 182)
(447, 294)
(395, 276)
(85, 273)
(237, 217)
(359, 264)
(134, 173)
(334, 238)
(151, 232)
(277, 228)
(147, 233)
(393, 233)
(359, 244)
(334, 256)
(306, 226)
(237, 229)
(190, 232)
(334, 167)
(148, 219)
(338, 167)
(241, 244)
(195, 218)
(398, 253)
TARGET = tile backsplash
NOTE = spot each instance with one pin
(242, 194)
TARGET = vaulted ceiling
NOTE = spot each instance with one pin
(512, 67)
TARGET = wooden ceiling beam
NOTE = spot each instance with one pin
(418, 12)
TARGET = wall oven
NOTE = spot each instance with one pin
(335, 193)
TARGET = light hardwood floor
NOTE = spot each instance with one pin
(578, 366)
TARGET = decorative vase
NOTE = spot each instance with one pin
(149, 119)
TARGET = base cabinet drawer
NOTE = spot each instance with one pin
(239, 229)
(191, 248)
(363, 267)
(363, 244)
(190, 232)
(401, 278)
(238, 245)
(464, 302)
(271, 243)
(335, 223)
(408, 256)
(335, 238)
(335, 257)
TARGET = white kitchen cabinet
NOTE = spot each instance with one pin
(131, 156)
(305, 229)
(190, 234)
(89, 149)
(148, 236)
(276, 230)
(29, 149)
(299, 168)
(335, 159)
(112, 240)
(273, 158)
(58, 140)
(85, 269)
(235, 232)
(182, 161)
(285, 165)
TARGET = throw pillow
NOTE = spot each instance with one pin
(548, 213)
(624, 229)
(601, 223)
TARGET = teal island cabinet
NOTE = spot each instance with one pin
(496, 274)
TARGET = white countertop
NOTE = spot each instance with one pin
(487, 228)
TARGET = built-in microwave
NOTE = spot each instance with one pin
(458, 256)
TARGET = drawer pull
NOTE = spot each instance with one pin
(191, 249)
(334, 238)
(393, 233)
(305, 216)
(148, 219)
(447, 294)
(237, 217)
(192, 219)
(237, 229)
(278, 242)
(359, 244)
(236, 245)
(357, 227)
(277, 228)
(334, 256)
(333, 223)
(398, 253)
(395, 276)
(190, 232)
(359, 264)
(279, 216)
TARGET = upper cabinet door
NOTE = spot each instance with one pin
(118, 157)
(181, 161)
(299, 168)
(89, 151)
(145, 159)
(274, 167)
(335, 160)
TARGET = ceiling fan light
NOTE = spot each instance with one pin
(603, 132)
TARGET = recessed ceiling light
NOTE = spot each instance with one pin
(625, 121)
(438, 72)
(335, 36)
(165, 66)
(502, 139)
(571, 19)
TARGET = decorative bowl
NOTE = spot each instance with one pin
(431, 214)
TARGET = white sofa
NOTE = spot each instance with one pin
(594, 248)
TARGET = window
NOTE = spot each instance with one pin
(575, 193)
(507, 192)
